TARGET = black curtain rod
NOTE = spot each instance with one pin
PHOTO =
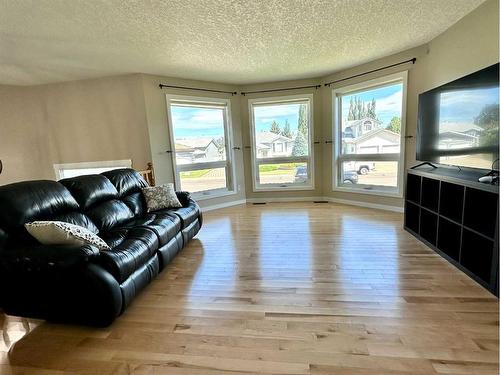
(284, 89)
(197, 89)
(373, 71)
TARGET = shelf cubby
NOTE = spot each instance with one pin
(413, 217)
(451, 201)
(449, 238)
(429, 197)
(413, 183)
(480, 211)
(476, 254)
(428, 226)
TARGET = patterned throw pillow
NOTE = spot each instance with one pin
(163, 196)
(61, 233)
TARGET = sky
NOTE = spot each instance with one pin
(208, 122)
(464, 105)
(388, 101)
(197, 122)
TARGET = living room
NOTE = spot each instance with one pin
(264, 187)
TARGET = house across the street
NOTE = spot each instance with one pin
(378, 141)
(356, 128)
(197, 150)
(270, 144)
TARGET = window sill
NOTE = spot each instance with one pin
(213, 194)
(281, 188)
(361, 190)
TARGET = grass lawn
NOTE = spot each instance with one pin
(274, 169)
(195, 174)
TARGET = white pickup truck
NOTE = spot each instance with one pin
(361, 167)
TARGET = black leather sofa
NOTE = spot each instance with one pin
(81, 284)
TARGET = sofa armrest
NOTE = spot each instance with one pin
(46, 257)
(184, 197)
(59, 284)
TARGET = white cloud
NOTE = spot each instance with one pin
(269, 112)
(390, 104)
(197, 118)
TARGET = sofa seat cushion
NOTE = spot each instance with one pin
(187, 215)
(131, 248)
(165, 225)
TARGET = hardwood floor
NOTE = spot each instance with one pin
(295, 288)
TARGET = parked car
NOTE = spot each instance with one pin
(301, 174)
(361, 167)
(350, 177)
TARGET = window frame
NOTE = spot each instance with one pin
(338, 157)
(228, 164)
(257, 187)
(112, 164)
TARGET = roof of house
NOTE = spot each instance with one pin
(184, 144)
(346, 124)
(456, 127)
(270, 137)
(371, 134)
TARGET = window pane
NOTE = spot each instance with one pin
(73, 172)
(284, 173)
(371, 120)
(379, 173)
(203, 179)
(198, 134)
(281, 130)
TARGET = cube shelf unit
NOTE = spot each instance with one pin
(456, 216)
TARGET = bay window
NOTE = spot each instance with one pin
(282, 153)
(368, 128)
(200, 138)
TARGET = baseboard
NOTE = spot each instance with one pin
(223, 205)
(304, 199)
(284, 199)
(384, 207)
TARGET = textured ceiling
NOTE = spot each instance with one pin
(231, 41)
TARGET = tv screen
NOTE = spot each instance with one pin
(458, 122)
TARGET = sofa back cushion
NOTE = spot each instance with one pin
(28, 201)
(91, 189)
(99, 200)
(129, 184)
(126, 181)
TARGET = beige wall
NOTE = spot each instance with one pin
(125, 117)
(91, 120)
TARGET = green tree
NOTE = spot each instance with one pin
(287, 132)
(352, 112)
(488, 120)
(300, 145)
(302, 125)
(275, 128)
(395, 125)
(371, 111)
(359, 109)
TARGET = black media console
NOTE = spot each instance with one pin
(456, 216)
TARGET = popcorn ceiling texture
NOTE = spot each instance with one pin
(228, 41)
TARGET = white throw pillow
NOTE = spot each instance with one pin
(61, 233)
(159, 197)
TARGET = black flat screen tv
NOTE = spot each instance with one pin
(458, 121)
